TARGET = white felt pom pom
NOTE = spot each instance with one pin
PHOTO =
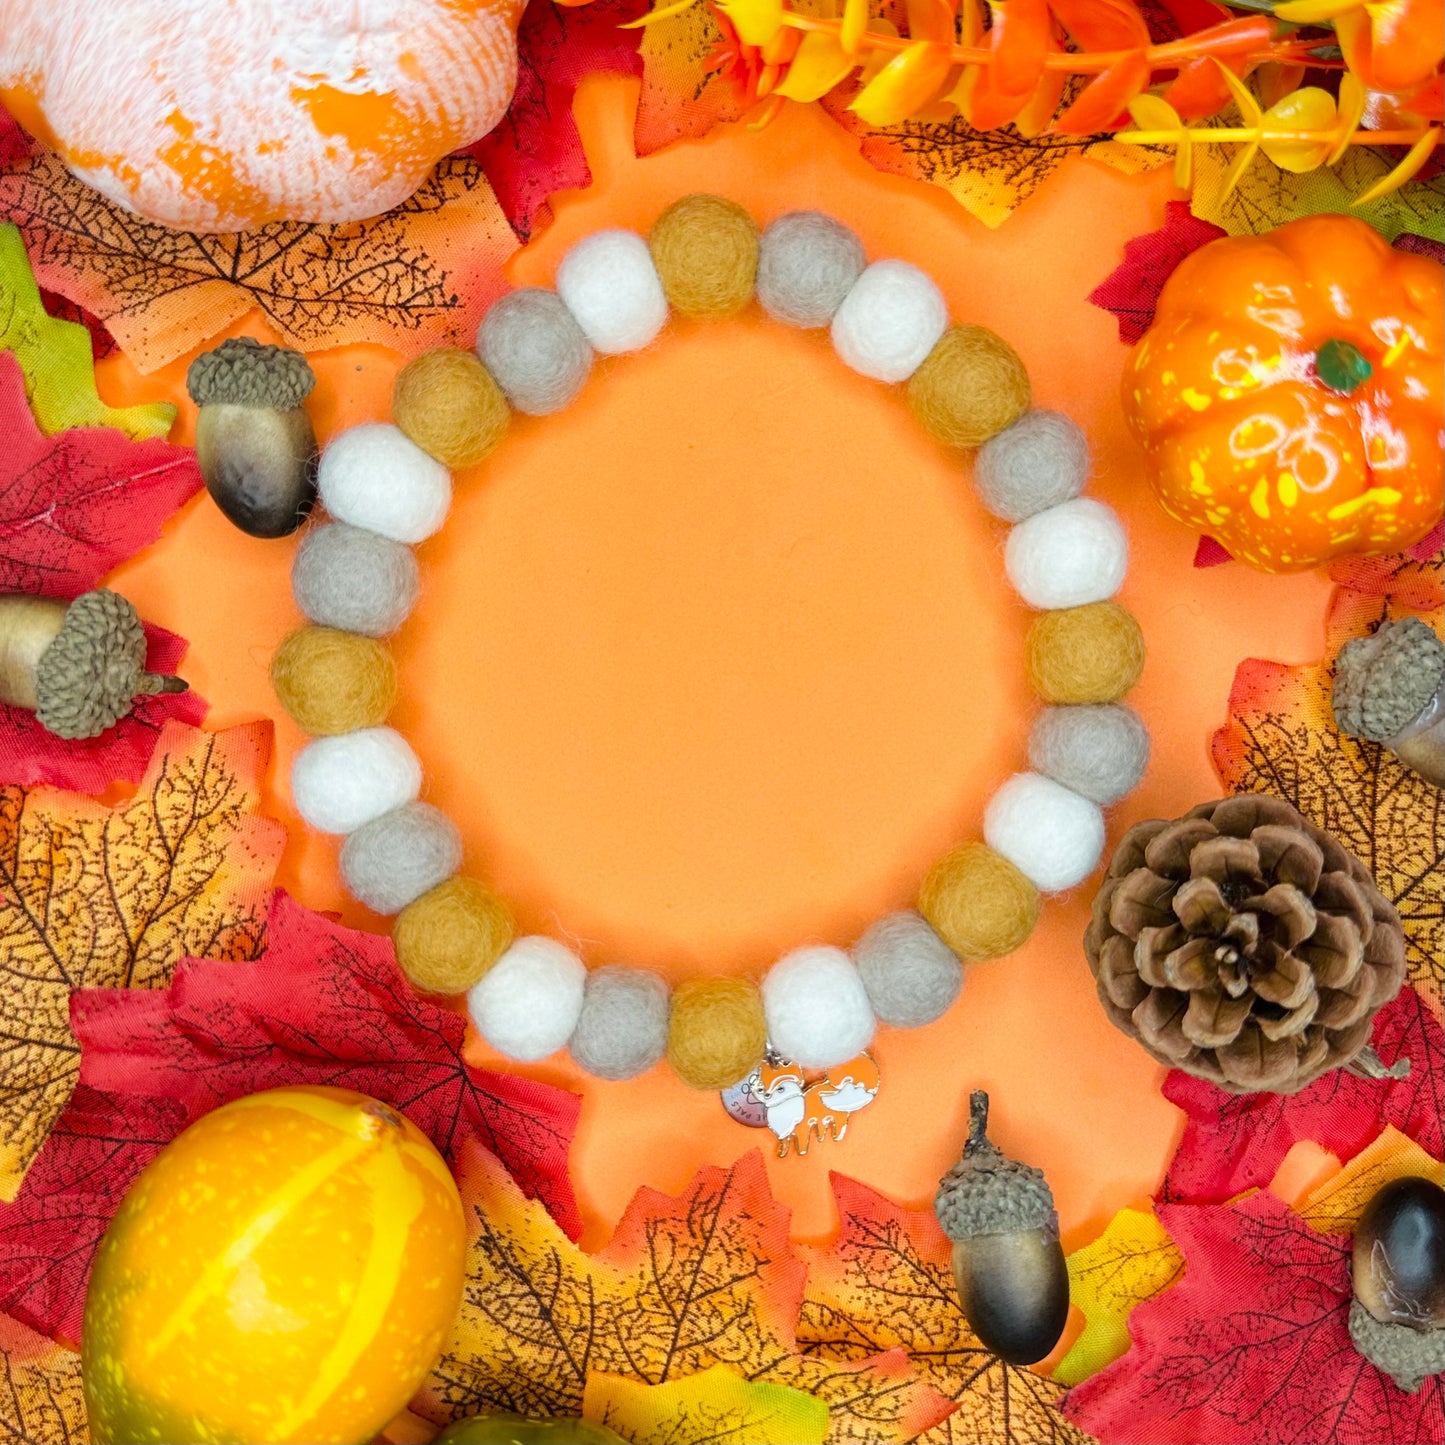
(1069, 555)
(816, 1008)
(807, 264)
(889, 321)
(529, 1001)
(1038, 462)
(1100, 751)
(611, 287)
(1047, 831)
(342, 782)
(376, 477)
(911, 974)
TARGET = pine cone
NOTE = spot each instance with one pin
(1244, 945)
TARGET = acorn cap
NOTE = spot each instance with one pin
(91, 673)
(1383, 682)
(986, 1192)
(1408, 1356)
(244, 372)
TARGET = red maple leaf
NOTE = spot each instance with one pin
(15, 145)
(536, 150)
(49, 1235)
(31, 756)
(1252, 1347)
(325, 1005)
(75, 504)
(1236, 1142)
(1131, 290)
(102, 343)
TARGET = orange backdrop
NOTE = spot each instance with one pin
(719, 660)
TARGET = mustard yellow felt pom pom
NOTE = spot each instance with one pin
(447, 403)
(450, 937)
(979, 904)
(716, 1034)
(971, 386)
(332, 682)
(1093, 653)
(705, 249)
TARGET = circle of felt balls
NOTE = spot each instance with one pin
(387, 487)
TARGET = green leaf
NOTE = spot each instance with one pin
(56, 358)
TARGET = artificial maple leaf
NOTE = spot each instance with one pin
(326, 1005)
(75, 504)
(686, 1283)
(685, 93)
(887, 1283)
(49, 1234)
(57, 359)
(535, 150)
(1413, 579)
(1281, 738)
(1252, 1347)
(1131, 290)
(419, 276)
(1267, 196)
(97, 897)
(1133, 1260)
(33, 756)
(712, 1408)
(62, 308)
(42, 1401)
(1234, 1142)
(1336, 1206)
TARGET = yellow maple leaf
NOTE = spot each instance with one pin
(686, 1283)
(1132, 1261)
(41, 1399)
(1335, 1207)
(98, 897)
(887, 1283)
(718, 1406)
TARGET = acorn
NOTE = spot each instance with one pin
(1008, 1263)
(78, 666)
(1397, 1318)
(254, 442)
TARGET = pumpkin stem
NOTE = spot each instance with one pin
(1341, 366)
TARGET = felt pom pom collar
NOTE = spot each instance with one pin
(387, 487)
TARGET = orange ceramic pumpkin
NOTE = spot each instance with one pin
(215, 115)
(1288, 395)
(285, 1270)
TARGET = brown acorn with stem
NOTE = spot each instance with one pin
(1008, 1264)
(255, 444)
(1397, 1267)
(78, 666)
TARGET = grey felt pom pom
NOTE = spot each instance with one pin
(622, 1031)
(912, 976)
(1038, 462)
(534, 348)
(347, 577)
(1098, 750)
(807, 264)
(394, 859)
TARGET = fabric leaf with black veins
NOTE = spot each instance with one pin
(416, 277)
(42, 1398)
(1252, 1347)
(111, 899)
(49, 1235)
(327, 1005)
(887, 1283)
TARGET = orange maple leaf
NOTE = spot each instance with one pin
(887, 1283)
(690, 1282)
(419, 276)
(1281, 738)
(96, 897)
(41, 1399)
